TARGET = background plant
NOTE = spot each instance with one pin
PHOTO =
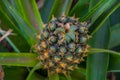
(24, 18)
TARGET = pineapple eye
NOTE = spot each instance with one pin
(57, 58)
(63, 65)
(45, 34)
(46, 55)
(53, 49)
(61, 53)
(71, 47)
(52, 26)
(53, 39)
(51, 64)
(59, 36)
(83, 40)
(45, 66)
(71, 19)
(53, 20)
(69, 57)
(76, 60)
(63, 49)
(63, 19)
(70, 68)
(79, 50)
(57, 70)
(41, 57)
(43, 44)
(82, 29)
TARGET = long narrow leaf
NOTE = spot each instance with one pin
(97, 63)
(114, 65)
(13, 40)
(22, 59)
(80, 9)
(27, 32)
(45, 10)
(114, 38)
(37, 66)
(99, 22)
(78, 74)
(114, 58)
(98, 9)
(32, 13)
(60, 7)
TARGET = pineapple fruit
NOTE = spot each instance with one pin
(62, 45)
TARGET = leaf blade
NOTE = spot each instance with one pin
(114, 38)
(60, 7)
(27, 31)
(97, 64)
(22, 59)
(80, 9)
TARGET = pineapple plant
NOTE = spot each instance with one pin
(62, 44)
(60, 48)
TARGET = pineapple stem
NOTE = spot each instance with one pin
(95, 50)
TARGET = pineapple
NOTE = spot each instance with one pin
(62, 45)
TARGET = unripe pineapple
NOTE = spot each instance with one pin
(62, 44)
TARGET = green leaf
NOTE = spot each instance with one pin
(114, 59)
(59, 7)
(14, 73)
(100, 21)
(105, 6)
(98, 9)
(115, 17)
(114, 41)
(114, 65)
(37, 66)
(80, 9)
(54, 77)
(61, 77)
(18, 6)
(32, 14)
(94, 3)
(45, 10)
(96, 50)
(6, 24)
(26, 29)
(22, 59)
(36, 76)
(78, 74)
(13, 45)
(97, 64)
(114, 36)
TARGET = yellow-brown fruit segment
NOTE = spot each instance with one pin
(62, 44)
